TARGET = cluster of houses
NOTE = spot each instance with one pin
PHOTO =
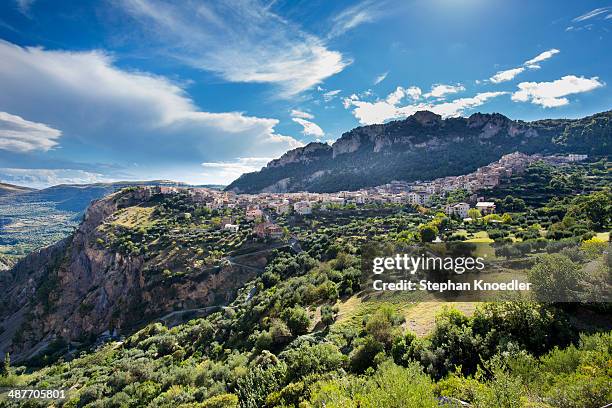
(258, 206)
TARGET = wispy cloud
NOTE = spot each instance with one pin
(296, 113)
(553, 94)
(366, 11)
(589, 20)
(593, 13)
(507, 75)
(239, 41)
(380, 78)
(310, 128)
(329, 95)
(540, 57)
(510, 74)
(20, 135)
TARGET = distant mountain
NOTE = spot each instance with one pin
(6, 189)
(423, 147)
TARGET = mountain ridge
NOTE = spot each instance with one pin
(6, 189)
(422, 146)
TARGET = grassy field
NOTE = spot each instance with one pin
(132, 217)
(480, 237)
(419, 315)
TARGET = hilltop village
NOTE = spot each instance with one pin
(263, 206)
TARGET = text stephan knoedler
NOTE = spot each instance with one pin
(411, 264)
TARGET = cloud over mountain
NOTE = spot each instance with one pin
(137, 116)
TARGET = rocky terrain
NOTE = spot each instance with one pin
(87, 284)
(423, 147)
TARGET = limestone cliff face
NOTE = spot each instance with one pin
(309, 153)
(77, 288)
(423, 146)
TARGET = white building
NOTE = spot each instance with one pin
(459, 209)
(486, 207)
(281, 208)
(418, 197)
(302, 207)
(231, 227)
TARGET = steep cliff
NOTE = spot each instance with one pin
(134, 257)
(421, 147)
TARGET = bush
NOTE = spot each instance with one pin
(297, 320)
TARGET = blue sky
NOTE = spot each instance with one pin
(200, 91)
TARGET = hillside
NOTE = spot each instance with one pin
(205, 317)
(423, 147)
(136, 256)
(36, 218)
(6, 189)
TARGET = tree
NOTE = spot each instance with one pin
(598, 209)
(6, 367)
(428, 232)
(297, 320)
(381, 325)
(556, 278)
(474, 213)
(327, 315)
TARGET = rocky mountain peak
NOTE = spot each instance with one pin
(427, 118)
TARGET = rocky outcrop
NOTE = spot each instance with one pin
(306, 154)
(77, 288)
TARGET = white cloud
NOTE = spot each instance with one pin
(441, 90)
(396, 96)
(329, 95)
(510, 74)
(380, 78)
(414, 92)
(553, 94)
(310, 128)
(366, 11)
(42, 178)
(400, 93)
(458, 106)
(301, 114)
(239, 41)
(20, 135)
(592, 13)
(129, 116)
(390, 109)
(221, 172)
(507, 75)
(541, 57)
